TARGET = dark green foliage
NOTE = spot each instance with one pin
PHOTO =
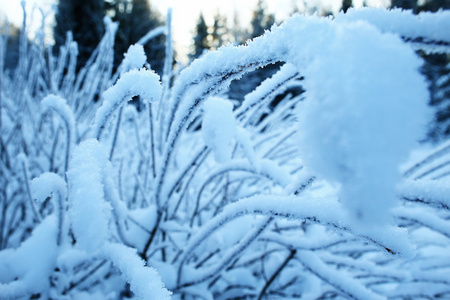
(346, 4)
(85, 19)
(219, 31)
(136, 18)
(13, 44)
(261, 20)
(201, 42)
(207, 38)
(405, 4)
(418, 6)
(435, 5)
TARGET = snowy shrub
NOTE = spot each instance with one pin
(196, 197)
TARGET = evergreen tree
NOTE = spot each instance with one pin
(201, 38)
(405, 4)
(261, 20)
(11, 56)
(136, 18)
(435, 5)
(85, 19)
(346, 4)
(219, 31)
(238, 34)
(419, 6)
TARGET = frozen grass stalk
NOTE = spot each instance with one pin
(289, 194)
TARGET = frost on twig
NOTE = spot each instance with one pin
(292, 194)
(144, 281)
(141, 82)
(290, 207)
(25, 270)
(89, 211)
(45, 185)
(219, 127)
(346, 285)
(59, 105)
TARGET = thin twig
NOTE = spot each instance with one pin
(276, 273)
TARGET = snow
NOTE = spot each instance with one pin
(277, 173)
(366, 266)
(427, 158)
(369, 91)
(326, 212)
(435, 192)
(219, 127)
(151, 35)
(346, 285)
(89, 211)
(144, 281)
(59, 105)
(46, 184)
(269, 86)
(310, 187)
(243, 137)
(134, 58)
(120, 209)
(26, 270)
(425, 218)
(356, 136)
(431, 26)
(140, 82)
(146, 218)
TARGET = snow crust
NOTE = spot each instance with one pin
(219, 127)
(134, 58)
(348, 286)
(142, 82)
(144, 281)
(60, 105)
(26, 270)
(431, 191)
(46, 184)
(275, 83)
(354, 112)
(327, 212)
(324, 196)
(89, 212)
(428, 25)
(354, 136)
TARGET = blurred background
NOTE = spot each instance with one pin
(198, 26)
(223, 21)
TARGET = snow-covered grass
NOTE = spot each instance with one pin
(197, 197)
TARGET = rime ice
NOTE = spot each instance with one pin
(292, 193)
(362, 117)
(219, 127)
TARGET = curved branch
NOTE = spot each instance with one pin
(199, 88)
(276, 273)
(59, 105)
(319, 211)
(199, 276)
(141, 82)
(235, 166)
